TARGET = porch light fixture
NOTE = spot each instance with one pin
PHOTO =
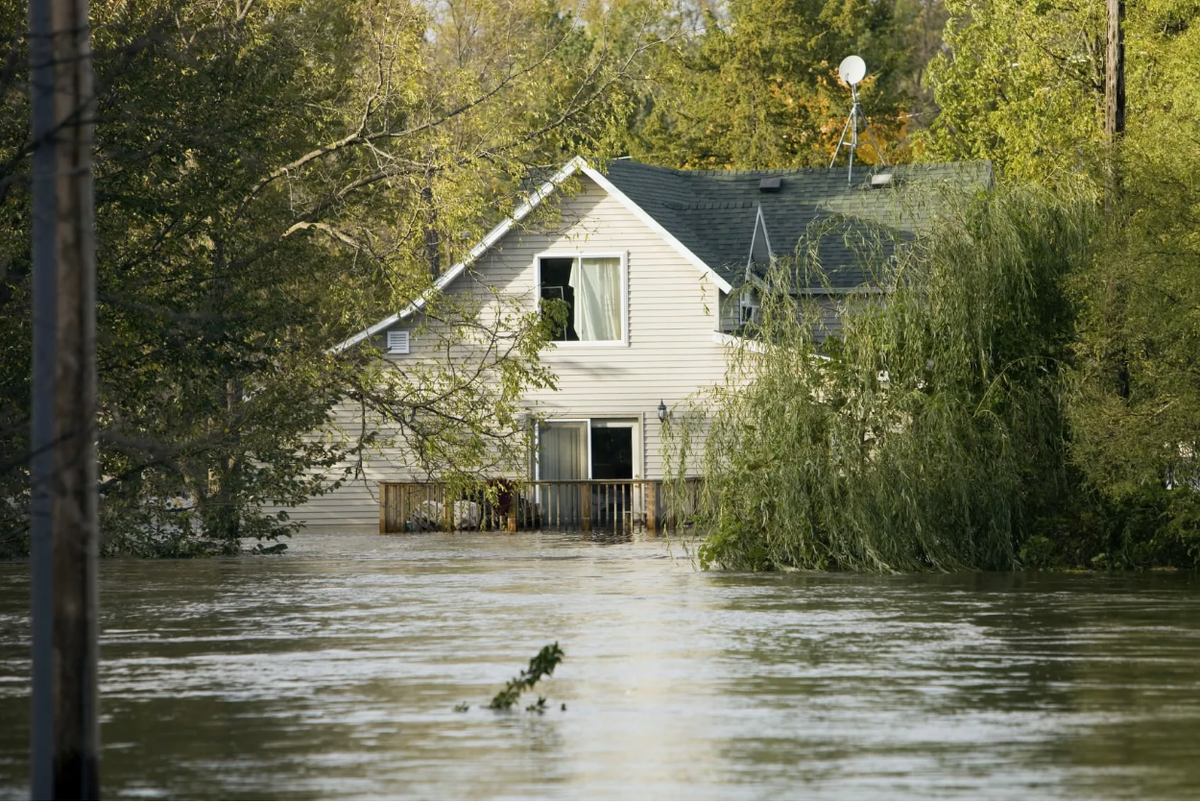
(662, 410)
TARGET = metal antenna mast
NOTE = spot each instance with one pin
(852, 70)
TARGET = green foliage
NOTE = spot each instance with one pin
(541, 665)
(756, 85)
(1136, 410)
(930, 435)
(1021, 84)
(268, 182)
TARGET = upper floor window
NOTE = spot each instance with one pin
(593, 289)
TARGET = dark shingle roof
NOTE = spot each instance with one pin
(712, 212)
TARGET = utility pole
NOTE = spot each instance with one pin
(1114, 99)
(1114, 73)
(64, 742)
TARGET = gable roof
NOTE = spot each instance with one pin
(712, 217)
(576, 165)
(713, 212)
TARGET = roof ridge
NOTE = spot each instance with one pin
(784, 171)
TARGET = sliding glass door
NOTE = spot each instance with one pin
(562, 455)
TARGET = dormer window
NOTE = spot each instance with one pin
(749, 311)
(749, 314)
(593, 289)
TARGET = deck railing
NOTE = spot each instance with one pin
(610, 506)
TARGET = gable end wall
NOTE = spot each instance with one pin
(673, 312)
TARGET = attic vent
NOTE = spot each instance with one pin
(770, 184)
(881, 180)
(397, 341)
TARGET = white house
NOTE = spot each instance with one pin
(650, 261)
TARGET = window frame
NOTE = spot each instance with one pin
(635, 423)
(623, 256)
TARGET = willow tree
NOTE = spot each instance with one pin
(928, 435)
(271, 176)
(1136, 414)
(1023, 85)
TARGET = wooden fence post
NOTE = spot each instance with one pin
(651, 508)
(383, 508)
(585, 506)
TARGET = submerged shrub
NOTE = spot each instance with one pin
(930, 433)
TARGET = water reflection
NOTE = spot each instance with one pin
(333, 672)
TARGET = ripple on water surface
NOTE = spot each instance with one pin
(333, 671)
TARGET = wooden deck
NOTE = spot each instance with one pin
(611, 506)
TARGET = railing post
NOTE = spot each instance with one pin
(448, 511)
(383, 505)
(514, 501)
(651, 508)
(585, 506)
(408, 505)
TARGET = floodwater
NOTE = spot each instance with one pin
(333, 671)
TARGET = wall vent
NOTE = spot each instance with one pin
(397, 341)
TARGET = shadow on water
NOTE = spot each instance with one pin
(333, 672)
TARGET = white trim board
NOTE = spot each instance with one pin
(576, 164)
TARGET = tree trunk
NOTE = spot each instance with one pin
(432, 240)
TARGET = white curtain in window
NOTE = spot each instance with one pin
(597, 286)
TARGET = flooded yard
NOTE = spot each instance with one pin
(334, 670)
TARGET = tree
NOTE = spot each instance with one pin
(928, 435)
(272, 176)
(756, 85)
(1137, 413)
(1024, 86)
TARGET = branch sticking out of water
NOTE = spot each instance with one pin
(542, 664)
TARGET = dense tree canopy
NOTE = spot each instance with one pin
(1020, 84)
(757, 85)
(270, 177)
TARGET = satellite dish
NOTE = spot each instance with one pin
(852, 70)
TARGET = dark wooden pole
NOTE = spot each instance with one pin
(65, 432)
(45, 341)
(1114, 73)
(1114, 99)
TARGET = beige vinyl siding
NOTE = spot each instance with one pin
(673, 312)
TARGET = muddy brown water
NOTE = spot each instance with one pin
(333, 671)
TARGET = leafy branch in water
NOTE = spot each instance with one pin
(542, 664)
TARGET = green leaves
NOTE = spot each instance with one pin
(756, 85)
(928, 437)
(269, 183)
(541, 665)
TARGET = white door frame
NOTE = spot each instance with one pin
(633, 422)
